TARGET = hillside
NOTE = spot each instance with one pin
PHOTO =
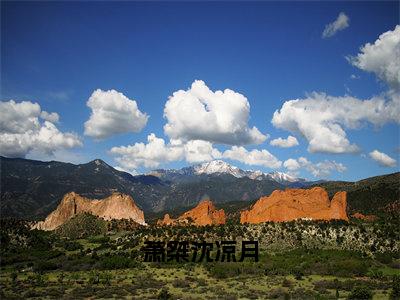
(368, 196)
(32, 189)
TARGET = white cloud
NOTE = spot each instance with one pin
(320, 118)
(156, 152)
(113, 113)
(341, 22)
(23, 132)
(219, 117)
(320, 169)
(200, 151)
(382, 159)
(149, 155)
(291, 164)
(382, 57)
(19, 117)
(353, 76)
(51, 117)
(291, 141)
(253, 157)
(132, 171)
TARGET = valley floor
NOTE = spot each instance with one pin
(153, 282)
(298, 260)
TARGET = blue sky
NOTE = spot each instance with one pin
(58, 54)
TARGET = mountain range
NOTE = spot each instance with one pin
(219, 167)
(31, 189)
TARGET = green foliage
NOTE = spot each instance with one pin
(368, 196)
(82, 226)
(229, 270)
(361, 292)
(17, 234)
(99, 239)
(164, 294)
(117, 262)
(70, 245)
(385, 258)
(395, 293)
(300, 262)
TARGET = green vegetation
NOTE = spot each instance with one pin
(375, 195)
(82, 226)
(298, 260)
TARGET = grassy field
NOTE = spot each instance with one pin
(43, 265)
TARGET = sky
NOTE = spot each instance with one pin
(311, 89)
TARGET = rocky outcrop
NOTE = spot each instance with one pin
(116, 206)
(166, 221)
(203, 214)
(360, 216)
(292, 204)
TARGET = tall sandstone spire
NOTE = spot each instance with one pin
(292, 204)
(116, 206)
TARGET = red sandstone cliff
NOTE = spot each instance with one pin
(203, 214)
(292, 204)
(116, 206)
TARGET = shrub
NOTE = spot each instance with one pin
(117, 262)
(164, 294)
(395, 294)
(72, 245)
(361, 292)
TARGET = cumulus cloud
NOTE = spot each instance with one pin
(51, 117)
(22, 130)
(149, 155)
(382, 57)
(199, 151)
(218, 117)
(254, 157)
(291, 141)
(321, 169)
(321, 118)
(341, 22)
(113, 113)
(291, 164)
(156, 152)
(382, 159)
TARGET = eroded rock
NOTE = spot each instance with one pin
(116, 206)
(292, 204)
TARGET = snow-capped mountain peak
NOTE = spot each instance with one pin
(218, 166)
(282, 177)
(221, 167)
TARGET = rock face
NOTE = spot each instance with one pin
(116, 206)
(292, 204)
(369, 218)
(203, 214)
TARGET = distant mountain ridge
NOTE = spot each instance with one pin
(219, 167)
(32, 189)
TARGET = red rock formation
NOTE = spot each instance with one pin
(166, 221)
(292, 204)
(203, 214)
(369, 218)
(116, 206)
